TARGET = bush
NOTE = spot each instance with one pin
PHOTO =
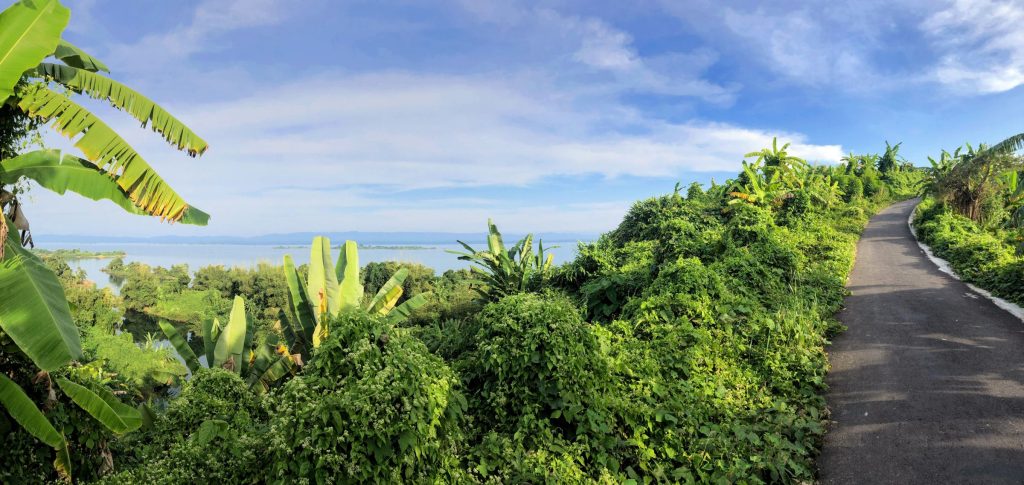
(538, 381)
(420, 279)
(685, 290)
(373, 406)
(536, 360)
(854, 189)
(144, 369)
(211, 433)
(983, 257)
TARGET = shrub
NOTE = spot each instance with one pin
(537, 364)
(684, 290)
(211, 433)
(373, 405)
(144, 369)
(987, 258)
(854, 189)
(873, 185)
(420, 279)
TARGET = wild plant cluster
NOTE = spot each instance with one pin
(686, 345)
(972, 215)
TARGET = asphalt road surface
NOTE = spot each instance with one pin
(927, 382)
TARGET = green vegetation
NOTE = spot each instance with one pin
(972, 215)
(76, 254)
(333, 289)
(230, 347)
(686, 345)
(37, 331)
(394, 248)
(507, 272)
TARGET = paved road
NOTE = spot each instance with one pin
(927, 383)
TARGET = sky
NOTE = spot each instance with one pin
(332, 115)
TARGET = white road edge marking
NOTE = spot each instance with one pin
(944, 266)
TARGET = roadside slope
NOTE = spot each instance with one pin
(927, 383)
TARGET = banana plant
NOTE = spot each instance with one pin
(31, 34)
(51, 343)
(775, 157)
(34, 313)
(757, 187)
(330, 289)
(229, 346)
(1014, 194)
(507, 272)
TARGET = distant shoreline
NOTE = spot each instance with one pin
(365, 246)
(77, 254)
(303, 239)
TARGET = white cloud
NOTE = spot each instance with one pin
(329, 151)
(602, 56)
(415, 130)
(982, 45)
(210, 19)
(604, 47)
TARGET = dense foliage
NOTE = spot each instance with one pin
(972, 215)
(987, 257)
(686, 345)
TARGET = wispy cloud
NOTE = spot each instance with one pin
(414, 130)
(346, 147)
(210, 19)
(605, 57)
(982, 45)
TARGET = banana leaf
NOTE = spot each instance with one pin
(275, 372)
(63, 463)
(180, 344)
(71, 55)
(264, 357)
(29, 31)
(232, 339)
(33, 309)
(211, 330)
(25, 412)
(246, 345)
(322, 283)
(102, 405)
(61, 173)
(301, 310)
(148, 416)
(124, 98)
(403, 311)
(347, 269)
(382, 298)
(108, 150)
(387, 303)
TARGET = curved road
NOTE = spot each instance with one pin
(927, 382)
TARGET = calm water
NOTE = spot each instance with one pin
(233, 255)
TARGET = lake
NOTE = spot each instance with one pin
(239, 255)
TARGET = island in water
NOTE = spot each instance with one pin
(77, 254)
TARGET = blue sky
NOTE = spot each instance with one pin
(548, 116)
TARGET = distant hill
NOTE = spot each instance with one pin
(305, 237)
